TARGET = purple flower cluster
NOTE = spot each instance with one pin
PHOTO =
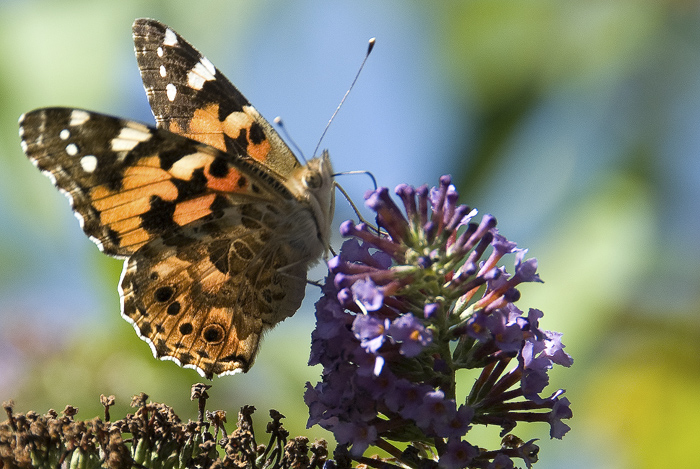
(409, 303)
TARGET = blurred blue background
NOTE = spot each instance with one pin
(577, 124)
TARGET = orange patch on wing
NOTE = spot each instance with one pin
(206, 127)
(126, 225)
(191, 210)
(131, 209)
(135, 239)
(260, 151)
(138, 185)
(228, 183)
(147, 162)
(104, 199)
(175, 128)
(141, 177)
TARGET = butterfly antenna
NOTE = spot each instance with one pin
(369, 50)
(368, 173)
(279, 123)
(352, 204)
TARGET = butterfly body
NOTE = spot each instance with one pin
(216, 219)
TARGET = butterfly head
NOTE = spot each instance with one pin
(313, 184)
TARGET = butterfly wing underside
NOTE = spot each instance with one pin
(187, 217)
(211, 210)
(189, 96)
(205, 297)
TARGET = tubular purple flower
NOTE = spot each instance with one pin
(471, 237)
(345, 297)
(348, 228)
(371, 332)
(560, 411)
(430, 310)
(366, 293)
(451, 204)
(458, 454)
(360, 436)
(437, 199)
(376, 276)
(388, 214)
(458, 217)
(411, 334)
(422, 194)
(555, 349)
(480, 248)
(430, 231)
(501, 247)
(408, 197)
(435, 407)
(456, 426)
(526, 271)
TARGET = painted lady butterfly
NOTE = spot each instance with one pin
(215, 217)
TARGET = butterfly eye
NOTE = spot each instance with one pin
(313, 180)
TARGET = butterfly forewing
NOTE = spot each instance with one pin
(189, 96)
(130, 183)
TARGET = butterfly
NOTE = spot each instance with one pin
(216, 219)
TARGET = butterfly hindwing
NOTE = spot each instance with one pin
(204, 297)
(191, 97)
(130, 183)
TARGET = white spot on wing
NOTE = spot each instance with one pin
(51, 177)
(250, 110)
(24, 146)
(137, 126)
(195, 81)
(159, 51)
(171, 91)
(209, 66)
(130, 136)
(80, 218)
(191, 365)
(100, 246)
(203, 71)
(78, 117)
(64, 134)
(88, 163)
(68, 195)
(162, 70)
(72, 149)
(182, 168)
(238, 120)
(170, 38)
